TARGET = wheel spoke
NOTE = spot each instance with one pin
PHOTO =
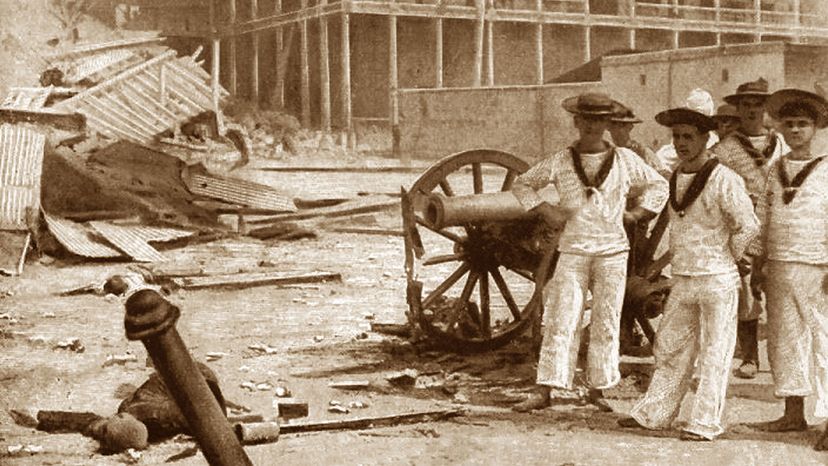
(462, 302)
(477, 174)
(507, 295)
(443, 259)
(509, 180)
(446, 187)
(444, 233)
(485, 310)
(448, 283)
(523, 274)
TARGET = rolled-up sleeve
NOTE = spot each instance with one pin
(737, 207)
(653, 188)
(526, 186)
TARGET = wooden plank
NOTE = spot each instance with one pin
(371, 422)
(490, 67)
(477, 70)
(357, 206)
(367, 231)
(539, 54)
(247, 280)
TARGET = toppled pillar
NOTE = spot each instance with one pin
(151, 319)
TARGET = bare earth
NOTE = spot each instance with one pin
(321, 334)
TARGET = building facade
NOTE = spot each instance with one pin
(336, 64)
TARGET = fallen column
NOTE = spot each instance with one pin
(151, 319)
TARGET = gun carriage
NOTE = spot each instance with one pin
(476, 261)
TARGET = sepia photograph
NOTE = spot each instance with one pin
(414, 232)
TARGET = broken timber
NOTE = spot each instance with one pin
(371, 422)
(246, 280)
(358, 206)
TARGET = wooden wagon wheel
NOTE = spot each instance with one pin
(454, 262)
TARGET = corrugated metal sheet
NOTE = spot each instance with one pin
(21, 162)
(144, 100)
(128, 241)
(27, 98)
(159, 234)
(78, 240)
(246, 193)
(88, 67)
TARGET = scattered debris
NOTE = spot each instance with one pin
(264, 387)
(366, 231)
(214, 356)
(246, 280)
(352, 207)
(263, 348)
(71, 344)
(358, 404)
(460, 398)
(406, 378)
(290, 408)
(183, 454)
(256, 433)
(339, 409)
(27, 449)
(21, 162)
(282, 392)
(130, 243)
(237, 419)
(371, 422)
(132, 456)
(361, 336)
(318, 338)
(235, 191)
(397, 330)
(23, 417)
(119, 359)
(350, 385)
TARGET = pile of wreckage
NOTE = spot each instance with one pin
(111, 155)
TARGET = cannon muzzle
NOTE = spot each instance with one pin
(442, 211)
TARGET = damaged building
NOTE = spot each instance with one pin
(340, 64)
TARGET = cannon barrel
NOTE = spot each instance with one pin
(442, 211)
(447, 211)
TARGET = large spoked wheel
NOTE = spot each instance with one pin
(475, 283)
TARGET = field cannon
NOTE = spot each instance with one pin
(476, 261)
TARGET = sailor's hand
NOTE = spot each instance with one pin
(757, 278)
(553, 216)
(636, 215)
(744, 267)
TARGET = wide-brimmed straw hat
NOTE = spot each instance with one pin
(686, 116)
(590, 104)
(624, 114)
(758, 88)
(785, 97)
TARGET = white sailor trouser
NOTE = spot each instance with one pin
(699, 322)
(606, 278)
(798, 329)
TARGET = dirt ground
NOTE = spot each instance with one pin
(320, 334)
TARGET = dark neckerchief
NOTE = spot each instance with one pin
(603, 170)
(694, 190)
(790, 188)
(759, 158)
